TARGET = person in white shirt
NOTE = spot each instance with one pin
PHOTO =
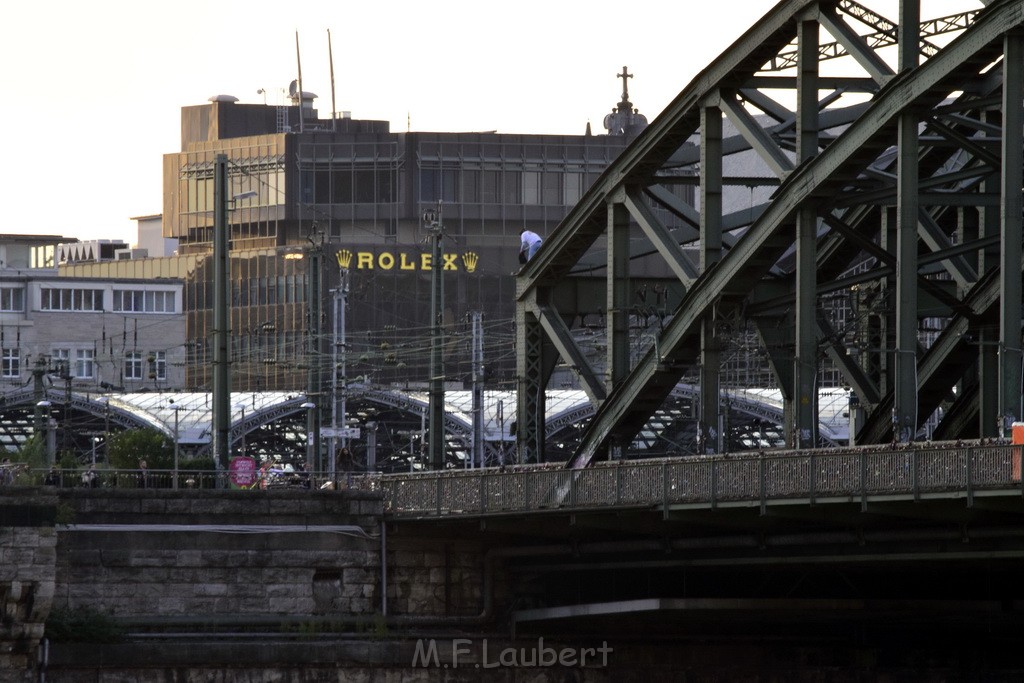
(531, 242)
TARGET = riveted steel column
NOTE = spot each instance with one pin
(904, 417)
(710, 254)
(805, 361)
(530, 384)
(988, 225)
(618, 299)
(1010, 281)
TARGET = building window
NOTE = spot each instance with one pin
(133, 301)
(531, 187)
(160, 365)
(10, 363)
(572, 187)
(551, 188)
(54, 299)
(84, 362)
(62, 361)
(12, 299)
(133, 365)
(490, 187)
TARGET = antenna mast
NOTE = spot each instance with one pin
(330, 58)
(298, 62)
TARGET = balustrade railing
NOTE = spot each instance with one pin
(759, 477)
(704, 481)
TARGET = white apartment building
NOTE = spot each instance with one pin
(90, 334)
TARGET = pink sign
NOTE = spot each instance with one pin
(242, 472)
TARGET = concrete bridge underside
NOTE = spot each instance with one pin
(882, 233)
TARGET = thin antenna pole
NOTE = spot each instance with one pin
(298, 62)
(334, 110)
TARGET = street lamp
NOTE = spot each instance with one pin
(44, 407)
(105, 400)
(241, 407)
(310, 435)
(176, 408)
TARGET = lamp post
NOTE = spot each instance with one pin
(105, 400)
(241, 407)
(176, 408)
(44, 407)
(310, 431)
(433, 225)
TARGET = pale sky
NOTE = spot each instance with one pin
(92, 91)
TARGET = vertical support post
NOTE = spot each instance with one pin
(908, 34)
(477, 458)
(617, 294)
(805, 370)
(221, 315)
(435, 431)
(314, 377)
(904, 417)
(1012, 180)
(371, 446)
(617, 303)
(530, 384)
(710, 254)
(177, 439)
(311, 439)
(338, 359)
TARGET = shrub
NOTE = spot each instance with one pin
(82, 625)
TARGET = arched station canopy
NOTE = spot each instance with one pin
(272, 425)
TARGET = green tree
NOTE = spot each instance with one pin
(32, 452)
(127, 448)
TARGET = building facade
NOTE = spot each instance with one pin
(90, 334)
(346, 198)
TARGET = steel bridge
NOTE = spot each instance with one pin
(866, 477)
(885, 157)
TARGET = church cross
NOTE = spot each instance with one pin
(625, 87)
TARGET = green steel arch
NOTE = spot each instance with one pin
(895, 185)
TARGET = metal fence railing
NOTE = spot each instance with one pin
(757, 477)
(912, 471)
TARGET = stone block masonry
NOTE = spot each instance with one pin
(245, 555)
(221, 555)
(192, 560)
(27, 575)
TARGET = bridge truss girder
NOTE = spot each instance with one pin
(908, 205)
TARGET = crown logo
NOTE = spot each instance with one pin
(344, 257)
(469, 260)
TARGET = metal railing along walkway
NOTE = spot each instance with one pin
(759, 478)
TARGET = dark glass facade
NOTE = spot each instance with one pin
(359, 193)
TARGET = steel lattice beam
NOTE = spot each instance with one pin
(961, 132)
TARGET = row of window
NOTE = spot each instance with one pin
(451, 185)
(133, 301)
(196, 190)
(82, 365)
(12, 300)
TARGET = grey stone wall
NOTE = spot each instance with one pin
(443, 579)
(299, 561)
(27, 578)
(218, 556)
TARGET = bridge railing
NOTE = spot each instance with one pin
(704, 481)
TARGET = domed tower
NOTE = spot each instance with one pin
(624, 119)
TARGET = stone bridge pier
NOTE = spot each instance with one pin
(158, 561)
